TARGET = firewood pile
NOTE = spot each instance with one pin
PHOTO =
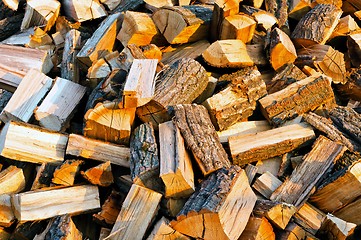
(166, 119)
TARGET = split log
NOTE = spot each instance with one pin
(257, 54)
(325, 59)
(111, 4)
(12, 180)
(240, 26)
(154, 5)
(27, 96)
(140, 85)
(65, 173)
(144, 159)
(251, 172)
(297, 98)
(288, 75)
(336, 228)
(84, 10)
(292, 231)
(324, 18)
(309, 218)
(7, 217)
(55, 201)
(281, 45)
(105, 67)
(69, 65)
(17, 142)
(162, 231)
(110, 209)
(227, 53)
(347, 213)
(102, 41)
(201, 137)
(352, 88)
(175, 163)
(138, 28)
(10, 25)
(98, 150)
(323, 154)
(266, 184)
(180, 83)
(279, 9)
(63, 226)
(345, 26)
(109, 121)
(137, 212)
(258, 228)
(265, 20)
(264, 145)
(354, 48)
(208, 91)
(271, 165)
(44, 176)
(238, 100)
(128, 5)
(172, 206)
(220, 207)
(297, 9)
(59, 105)
(183, 24)
(100, 175)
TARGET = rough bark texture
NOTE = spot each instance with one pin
(69, 66)
(287, 76)
(352, 88)
(10, 25)
(279, 8)
(4, 98)
(127, 5)
(201, 137)
(63, 228)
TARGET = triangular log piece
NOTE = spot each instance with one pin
(240, 26)
(65, 173)
(258, 228)
(100, 175)
(162, 231)
(336, 228)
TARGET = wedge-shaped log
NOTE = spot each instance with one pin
(265, 20)
(336, 228)
(38, 13)
(316, 163)
(201, 137)
(292, 231)
(55, 201)
(258, 228)
(100, 175)
(44, 175)
(180, 83)
(323, 18)
(59, 105)
(102, 41)
(220, 207)
(345, 26)
(84, 10)
(297, 98)
(69, 65)
(27, 96)
(65, 173)
(7, 216)
(309, 218)
(162, 231)
(138, 28)
(228, 53)
(12, 180)
(238, 100)
(240, 26)
(183, 24)
(138, 210)
(175, 163)
(109, 121)
(140, 85)
(266, 184)
(98, 150)
(17, 142)
(264, 145)
(110, 209)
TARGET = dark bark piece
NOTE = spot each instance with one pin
(10, 26)
(323, 18)
(354, 48)
(279, 8)
(201, 137)
(224, 195)
(180, 83)
(288, 75)
(144, 159)
(128, 5)
(265, 20)
(5, 11)
(297, 188)
(69, 65)
(352, 88)
(28, 230)
(63, 228)
(4, 98)
(110, 209)
(44, 176)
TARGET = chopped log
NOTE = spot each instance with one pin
(102, 41)
(201, 137)
(352, 88)
(354, 48)
(257, 54)
(104, 67)
(309, 218)
(65, 173)
(111, 4)
(265, 20)
(277, 213)
(183, 24)
(279, 9)
(12, 180)
(97, 150)
(323, 154)
(7, 217)
(69, 65)
(29, 93)
(266, 184)
(109, 122)
(162, 231)
(110, 209)
(238, 100)
(138, 28)
(297, 98)
(251, 172)
(297, 9)
(127, 5)
(59, 105)
(271, 143)
(190, 50)
(38, 13)
(144, 160)
(324, 18)
(180, 83)
(240, 26)
(228, 53)
(154, 5)
(17, 142)
(281, 45)
(325, 59)
(345, 26)
(10, 25)
(84, 10)
(292, 231)
(336, 228)
(44, 176)
(347, 213)
(208, 91)
(220, 207)
(55, 201)
(152, 51)
(258, 228)
(100, 175)
(9, 80)
(137, 212)
(64, 227)
(172, 206)
(271, 165)
(140, 85)
(175, 163)
(243, 128)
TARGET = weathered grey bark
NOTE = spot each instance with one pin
(126, 5)
(69, 65)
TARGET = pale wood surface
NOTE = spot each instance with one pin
(7, 216)
(310, 218)
(162, 231)
(240, 26)
(12, 180)
(266, 184)
(100, 175)
(65, 173)
(83, 10)
(336, 228)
